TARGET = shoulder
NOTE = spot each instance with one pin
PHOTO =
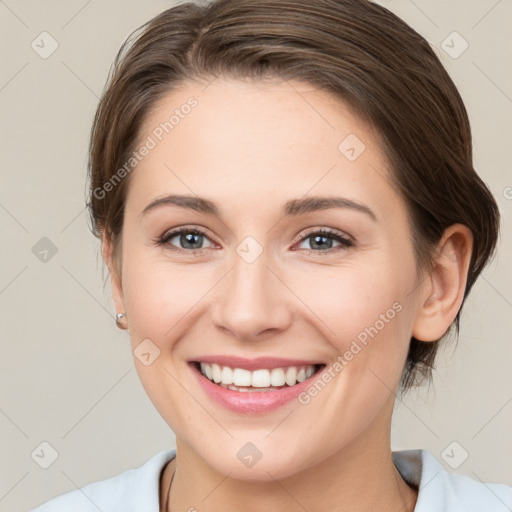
(134, 490)
(441, 491)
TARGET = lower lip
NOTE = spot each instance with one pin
(251, 402)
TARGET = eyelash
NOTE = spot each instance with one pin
(345, 242)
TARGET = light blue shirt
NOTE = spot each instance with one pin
(137, 490)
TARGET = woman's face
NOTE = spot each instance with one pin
(277, 279)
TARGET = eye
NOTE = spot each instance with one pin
(321, 240)
(187, 239)
(191, 240)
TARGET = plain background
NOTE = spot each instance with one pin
(67, 374)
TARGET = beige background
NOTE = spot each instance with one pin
(67, 374)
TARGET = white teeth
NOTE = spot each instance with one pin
(227, 375)
(263, 379)
(277, 377)
(216, 373)
(241, 377)
(301, 375)
(291, 375)
(260, 379)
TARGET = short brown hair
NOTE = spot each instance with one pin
(355, 49)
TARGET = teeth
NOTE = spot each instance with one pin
(227, 375)
(216, 373)
(260, 379)
(301, 375)
(241, 377)
(277, 377)
(207, 369)
(291, 375)
(263, 379)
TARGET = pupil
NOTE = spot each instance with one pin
(189, 237)
(323, 238)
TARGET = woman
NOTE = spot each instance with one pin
(287, 205)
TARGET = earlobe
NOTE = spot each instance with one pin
(443, 289)
(107, 250)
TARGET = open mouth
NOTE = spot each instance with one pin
(259, 380)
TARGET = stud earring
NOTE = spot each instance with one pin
(121, 321)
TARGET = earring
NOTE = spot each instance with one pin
(121, 321)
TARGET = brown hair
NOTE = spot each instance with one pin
(358, 51)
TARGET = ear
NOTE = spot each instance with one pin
(114, 270)
(442, 290)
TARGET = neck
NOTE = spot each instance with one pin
(357, 478)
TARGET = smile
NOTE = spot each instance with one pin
(255, 386)
(240, 379)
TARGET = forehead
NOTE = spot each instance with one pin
(241, 140)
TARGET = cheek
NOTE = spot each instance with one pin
(351, 301)
(364, 314)
(160, 296)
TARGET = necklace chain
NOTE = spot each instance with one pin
(166, 508)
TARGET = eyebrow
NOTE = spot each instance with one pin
(291, 208)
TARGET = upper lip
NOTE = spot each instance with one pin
(255, 363)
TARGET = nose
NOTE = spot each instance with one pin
(252, 303)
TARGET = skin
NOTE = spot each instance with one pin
(250, 147)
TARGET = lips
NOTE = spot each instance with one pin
(253, 385)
